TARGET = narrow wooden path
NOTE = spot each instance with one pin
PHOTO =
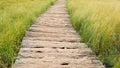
(53, 43)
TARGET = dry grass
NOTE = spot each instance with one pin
(98, 22)
(15, 18)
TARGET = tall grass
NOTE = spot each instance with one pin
(98, 22)
(15, 18)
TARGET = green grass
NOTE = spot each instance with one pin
(98, 22)
(16, 16)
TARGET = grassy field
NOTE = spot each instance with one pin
(15, 18)
(98, 22)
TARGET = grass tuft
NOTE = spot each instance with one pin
(16, 16)
(98, 22)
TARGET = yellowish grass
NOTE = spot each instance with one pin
(98, 22)
(15, 18)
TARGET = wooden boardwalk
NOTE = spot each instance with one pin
(53, 43)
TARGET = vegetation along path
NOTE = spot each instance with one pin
(53, 43)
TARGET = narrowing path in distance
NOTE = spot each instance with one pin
(53, 43)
